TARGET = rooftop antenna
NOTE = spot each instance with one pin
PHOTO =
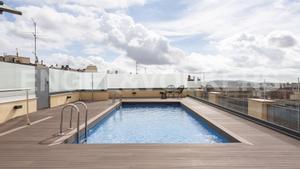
(35, 38)
(5, 8)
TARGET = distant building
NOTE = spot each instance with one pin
(91, 68)
(15, 59)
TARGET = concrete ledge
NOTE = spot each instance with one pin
(15, 98)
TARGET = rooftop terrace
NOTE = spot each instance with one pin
(261, 147)
(265, 124)
(148, 84)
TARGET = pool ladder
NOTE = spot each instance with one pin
(75, 107)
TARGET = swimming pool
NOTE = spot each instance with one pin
(154, 123)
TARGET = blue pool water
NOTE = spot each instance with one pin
(153, 123)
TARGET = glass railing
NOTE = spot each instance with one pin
(236, 104)
(278, 106)
(287, 116)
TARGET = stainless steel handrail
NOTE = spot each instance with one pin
(86, 117)
(27, 100)
(73, 106)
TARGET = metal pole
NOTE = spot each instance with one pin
(92, 86)
(136, 67)
(298, 116)
(78, 124)
(35, 46)
(204, 77)
(71, 118)
(298, 104)
(264, 89)
(27, 107)
(298, 84)
(85, 124)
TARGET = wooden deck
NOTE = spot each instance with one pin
(268, 149)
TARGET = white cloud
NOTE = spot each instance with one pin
(282, 39)
(58, 30)
(100, 4)
(138, 42)
(251, 38)
(75, 62)
(222, 19)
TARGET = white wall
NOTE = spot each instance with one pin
(61, 80)
(16, 76)
(100, 81)
(116, 81)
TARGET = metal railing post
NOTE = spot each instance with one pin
(78, 120)
(299, 116)
(71, 119)
(26, 97)
(92, 86)
(86, 117)
(27, 107)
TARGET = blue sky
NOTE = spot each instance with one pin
(168, 10)
(248, 37)
(157, 10)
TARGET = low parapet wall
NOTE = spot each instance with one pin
(16, 108)
(63, 98)
(257, 108)
(69, 97)
(132, 93)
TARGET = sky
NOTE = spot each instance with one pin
(227, 40)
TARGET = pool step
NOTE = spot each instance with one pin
(55, 137)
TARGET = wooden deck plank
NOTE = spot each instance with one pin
(270, 149)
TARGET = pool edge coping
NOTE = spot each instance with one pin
(70, 137)
(218, 126)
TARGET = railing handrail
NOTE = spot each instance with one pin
(283, 107)
(62, 117)
(86, 116)
(27, 99)
(14, 90)
(235, 98)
